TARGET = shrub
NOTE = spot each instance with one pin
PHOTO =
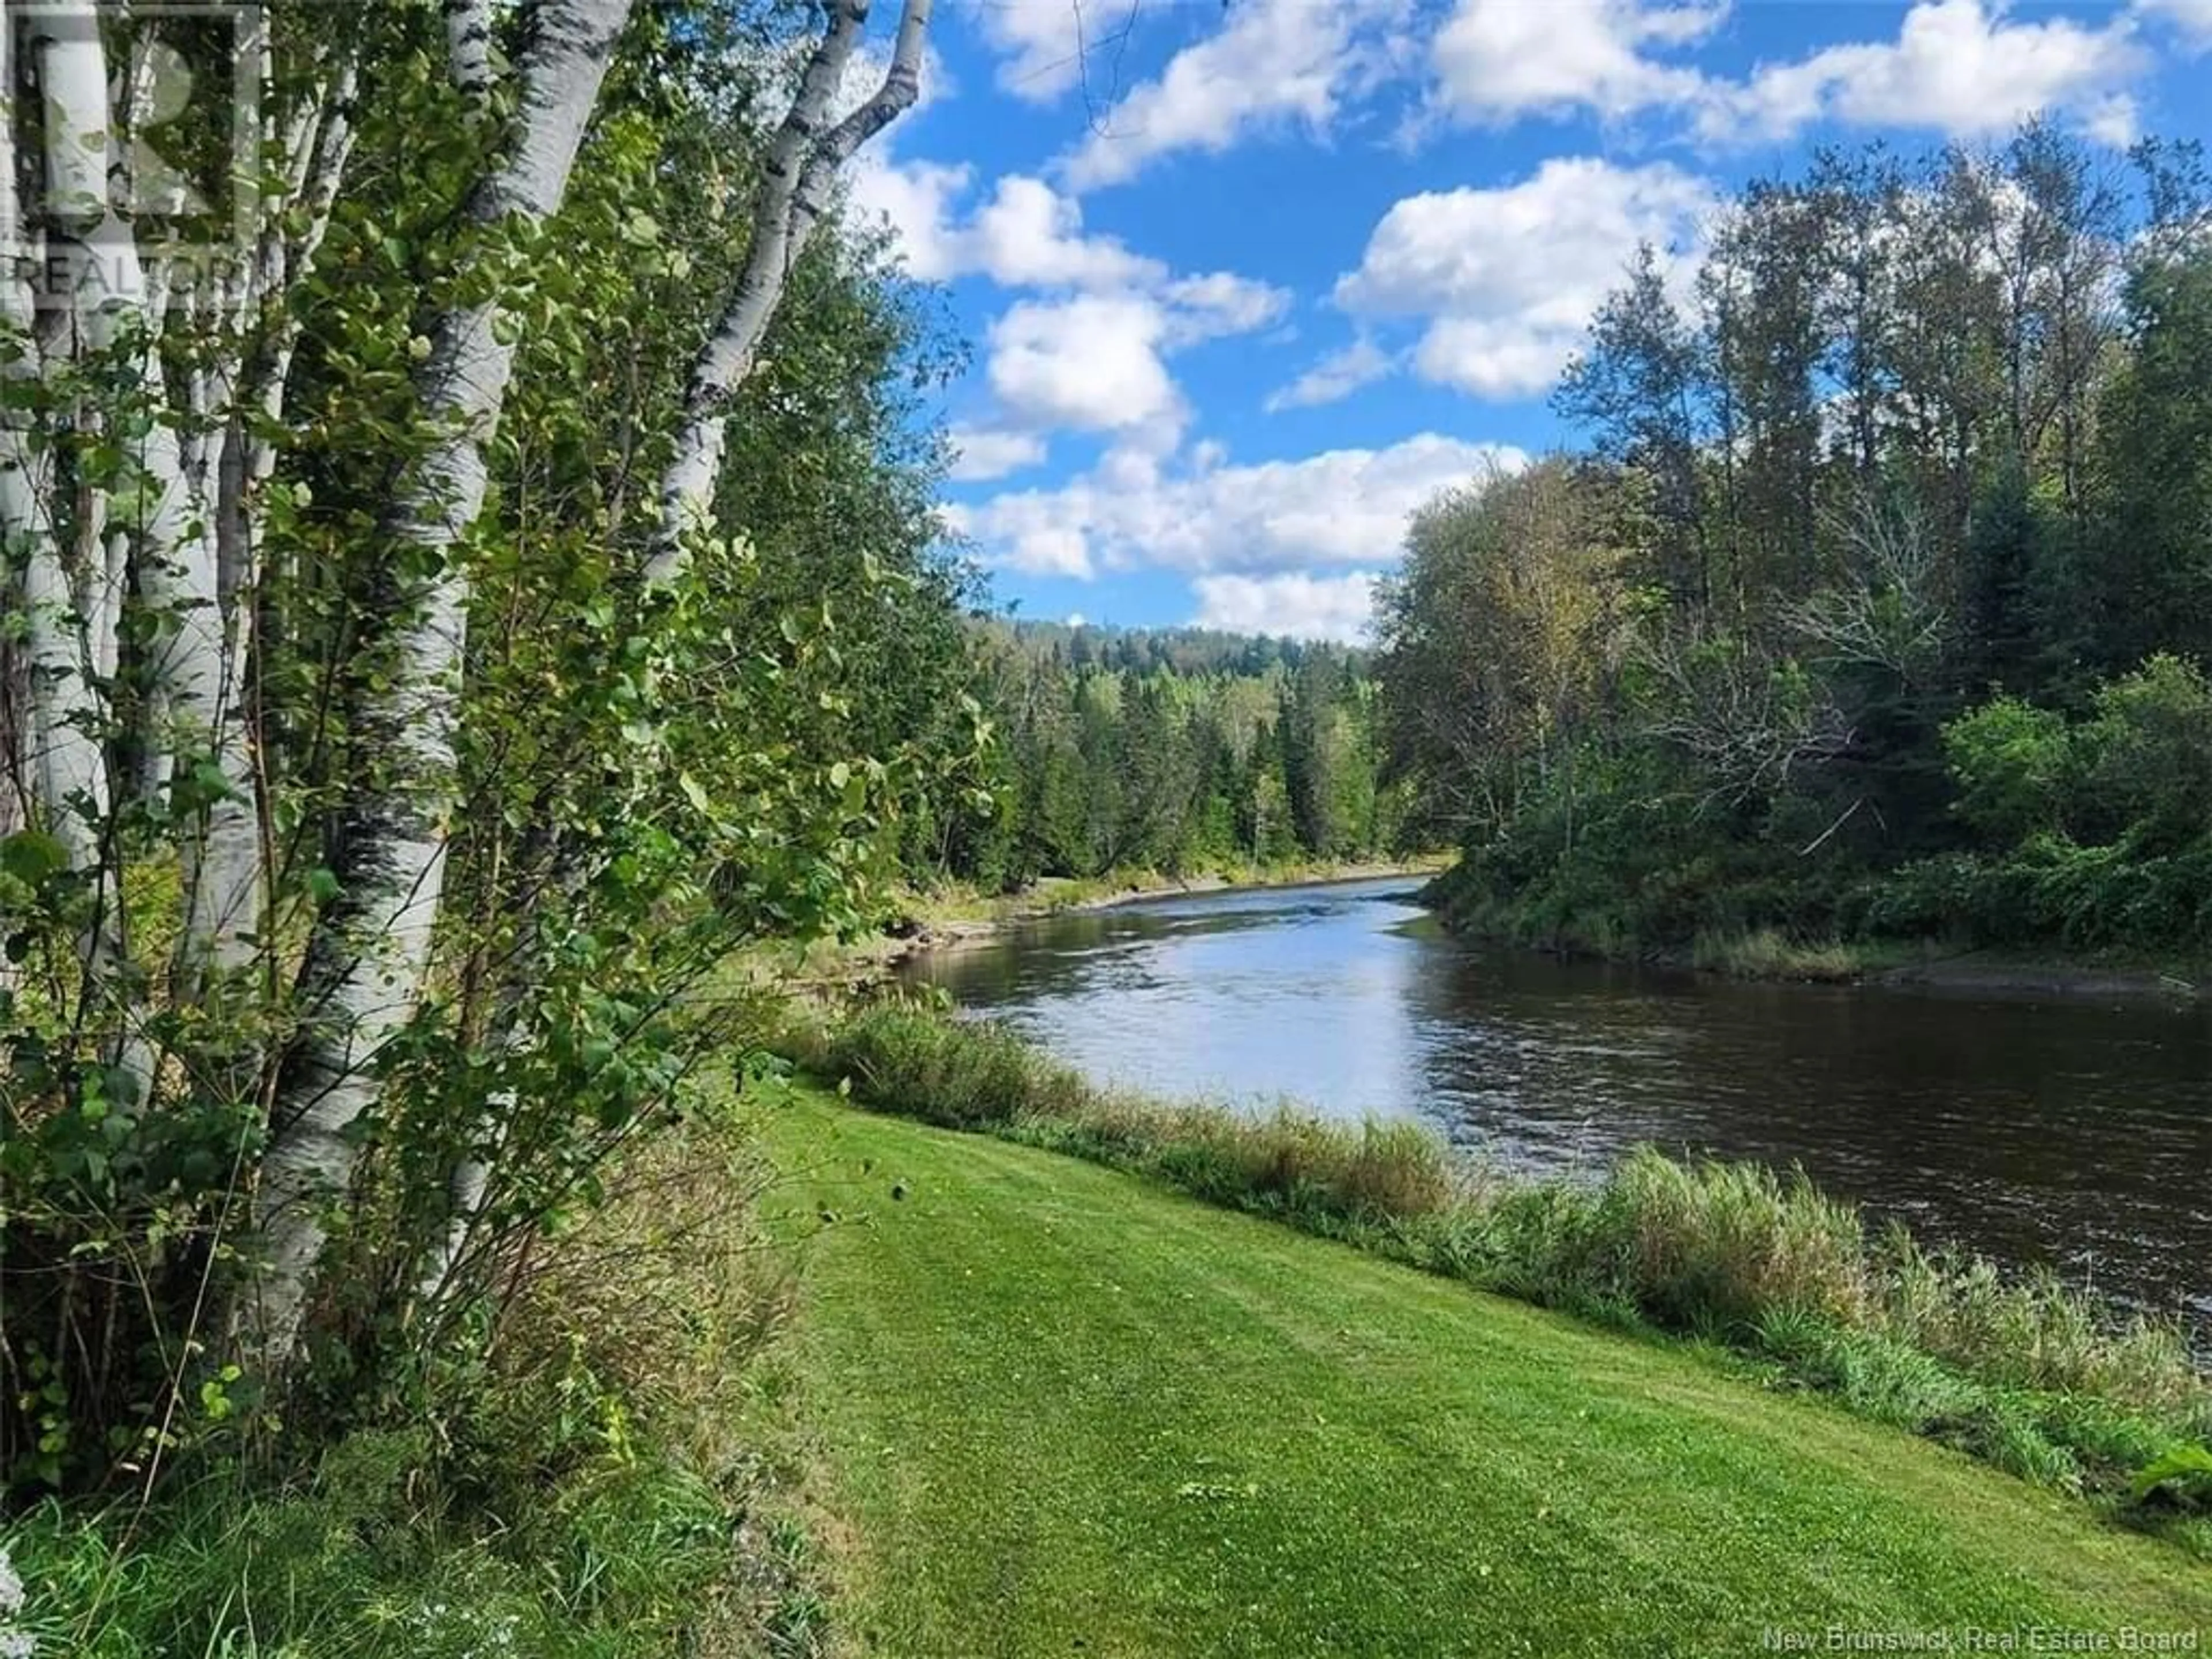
(1770, 953)
(1877, 1376)
(569, 1491)
(2182, 1476)
(2015, 766)
(371, 1554)
(2035, 1333)
(972, 1074)
(2149, 749)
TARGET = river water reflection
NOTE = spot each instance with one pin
(2075, 1133)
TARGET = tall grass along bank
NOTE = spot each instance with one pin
(2025, 1372)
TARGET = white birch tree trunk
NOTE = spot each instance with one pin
(224, 859)
(226, 863)
(371, 949)
(74, 578)
(796, 176)
(802, 164)
(67, 771)
(118, 304)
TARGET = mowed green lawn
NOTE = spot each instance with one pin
(1060, 1411)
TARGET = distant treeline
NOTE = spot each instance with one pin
(1878, 603)
(1168, 750)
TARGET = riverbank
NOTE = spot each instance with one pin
(2048, 1382)
(1929, 964)
(953, 917)
(1936, 965)
(1054, 1408)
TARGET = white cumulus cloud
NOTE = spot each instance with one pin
(1963, 68)
(1091, 355)
(914, 200)
(1272, 64)
(1339, 375)
(2193, 18)
(1497, 61)
(1029, 235)
(1041, 47)
(1221, 302)
(1342, 507)
(1506, 279)
(1025, 234)
(1305, 607)
(1092, 363)
(981, 452)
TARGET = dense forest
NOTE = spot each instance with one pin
(1877, 603)
(1173, 751)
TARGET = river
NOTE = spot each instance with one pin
(2073, 1133)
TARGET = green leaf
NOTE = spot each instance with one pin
(31, 856)
(2186, 1468)
(209, 782)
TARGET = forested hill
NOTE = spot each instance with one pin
(1172, 749)
(1188, 650)
(1877, 602)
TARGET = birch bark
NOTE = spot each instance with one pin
(74, 574)
(803, 162)
(225, 862)
(804, 158)
(370, 950)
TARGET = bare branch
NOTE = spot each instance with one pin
(1886, 613)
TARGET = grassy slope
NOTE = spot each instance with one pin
(1065, 1412)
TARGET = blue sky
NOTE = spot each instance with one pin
(1247, 283)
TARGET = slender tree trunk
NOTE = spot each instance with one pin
(370, 951)
(65, 768)
(171, 542)
(225, 861)
(803, 163)
(74, 573)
